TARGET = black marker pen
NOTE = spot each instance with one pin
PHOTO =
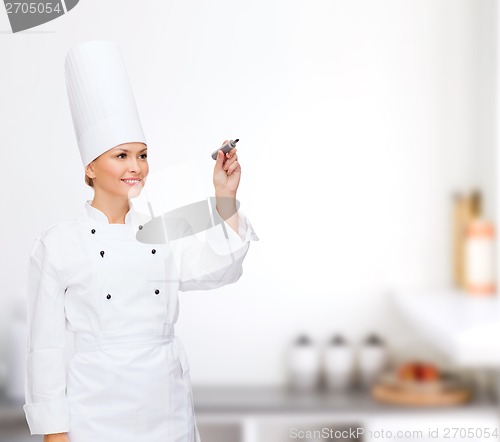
(226, 147)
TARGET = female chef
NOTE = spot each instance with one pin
(97, 277)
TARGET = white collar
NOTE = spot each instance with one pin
(97, 215)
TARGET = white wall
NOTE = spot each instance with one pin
(357, 121)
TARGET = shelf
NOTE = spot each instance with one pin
(464, 327)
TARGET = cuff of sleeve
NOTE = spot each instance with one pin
(223, 245)
(47, 417)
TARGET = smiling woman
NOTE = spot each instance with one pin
(117, 295)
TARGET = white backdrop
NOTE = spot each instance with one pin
(357, 120)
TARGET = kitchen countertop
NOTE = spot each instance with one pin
(268, 399)
(264, 400)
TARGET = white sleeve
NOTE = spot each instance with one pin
(217, 261)
(46, 406)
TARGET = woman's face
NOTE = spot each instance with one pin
(120, 171)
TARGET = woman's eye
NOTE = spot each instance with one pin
(122, 155)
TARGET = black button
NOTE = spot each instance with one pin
(153, 251)
(140, 227)
(102, 253)
(157, 291)
(93, 230)
(108, 296)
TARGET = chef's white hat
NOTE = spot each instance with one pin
(101, 99)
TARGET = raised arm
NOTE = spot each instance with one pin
(218, 261)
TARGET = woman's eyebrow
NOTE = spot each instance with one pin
(126, 150)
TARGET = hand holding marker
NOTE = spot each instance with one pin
(226, 147)
(227, 169)
(226, 183)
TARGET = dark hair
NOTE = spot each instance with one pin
(89, 181)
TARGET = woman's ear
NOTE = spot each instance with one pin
(89, 170)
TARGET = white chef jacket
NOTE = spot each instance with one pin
(119, 298)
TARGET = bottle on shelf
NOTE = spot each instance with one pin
(466, 208)
(479, 258)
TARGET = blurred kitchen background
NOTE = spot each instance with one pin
(369, 151)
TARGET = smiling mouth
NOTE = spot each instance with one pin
(131, 182)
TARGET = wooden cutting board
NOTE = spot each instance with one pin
(403, 396)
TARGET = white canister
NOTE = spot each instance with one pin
(338, 364)
(372, 360)
(304, 364)
(479, 258)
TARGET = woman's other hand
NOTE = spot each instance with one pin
(56, 437)
(227, 171)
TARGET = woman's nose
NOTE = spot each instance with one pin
(134, 166)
